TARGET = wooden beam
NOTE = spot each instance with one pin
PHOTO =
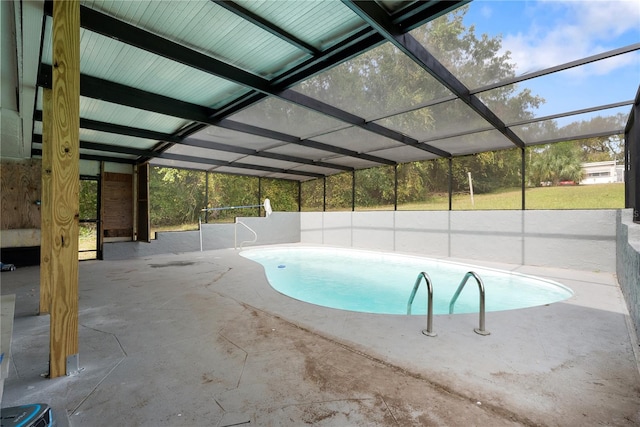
(65, 183)
(46, 213)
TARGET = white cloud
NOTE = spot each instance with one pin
(562, 31)
(486, 12)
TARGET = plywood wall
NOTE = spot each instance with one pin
(117, 204)
(20, 188)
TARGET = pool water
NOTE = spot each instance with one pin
(376, 282)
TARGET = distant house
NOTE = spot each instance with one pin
(602, 172)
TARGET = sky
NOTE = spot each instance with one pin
(542, 34)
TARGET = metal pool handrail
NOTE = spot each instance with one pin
(429, 331)
(480, 330)
(235, 234)
(267, 209)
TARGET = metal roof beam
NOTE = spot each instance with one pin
(430, 103)
(37, 138)
(114, 28)
(458, 134)
(329, 110)
(558, 68)
(378, 18)
(105, 90)
(124, 32)
(352, 46)
(251, 152)
(578, 137)
(413, 15)
(147, 134)
(266, 25)
(572, 113)
(38, 152)
(181, 157)
(238, 165)
(539, 119)
(338, 53)
(243, 127)
(111, 27)
(93, 87)
(119, 129)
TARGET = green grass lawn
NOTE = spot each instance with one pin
(597, 196)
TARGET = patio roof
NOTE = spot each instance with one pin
(232, 87)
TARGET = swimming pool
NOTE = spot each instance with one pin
(376, 282)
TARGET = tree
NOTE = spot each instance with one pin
(592, 149)
(339, 191)
(562, 161)
(554, 163)
(312, 195)
(422, 181)
(179, 195)
(232, 190)
(384, 80)
(375, 186)
(176, 196)
(491, 170)
(283, 194)
(600, 149)
(378, 86)
(88, 197)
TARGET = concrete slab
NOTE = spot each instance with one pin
(201, 339)
(7, 308)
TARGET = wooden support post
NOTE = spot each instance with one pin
(65, 183)
(46, 213)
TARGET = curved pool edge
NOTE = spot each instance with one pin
(471, 265)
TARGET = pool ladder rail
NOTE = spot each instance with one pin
(480, 330)
(429, 331)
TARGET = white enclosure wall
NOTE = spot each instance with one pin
(280, 227)
(576, 239)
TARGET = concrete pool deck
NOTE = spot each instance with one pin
(201, 339)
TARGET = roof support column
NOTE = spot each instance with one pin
(523, 173)
(353, 191)
(324, 194)
(450, 182)
(206, 197)
(259, 193)
(143, 215)
(395, 187)
(65, 183)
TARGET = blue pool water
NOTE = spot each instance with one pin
(377, 282)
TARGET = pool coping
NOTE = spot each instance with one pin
(568, 363)
(533, 358)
